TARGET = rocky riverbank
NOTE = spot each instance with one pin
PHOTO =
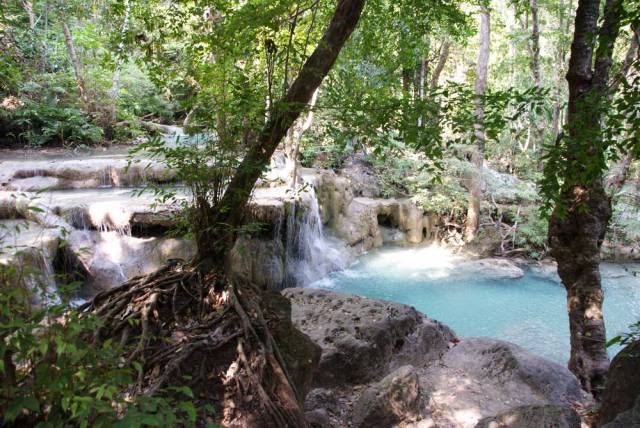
(385, 364)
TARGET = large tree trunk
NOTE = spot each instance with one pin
(474, 184)
(236, 341)
(579, 221)
(213, 248)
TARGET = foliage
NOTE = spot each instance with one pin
(203, 165)
(53, 373)
(584, 152)
(141, 98)
(36, 69)
(46, 121)
(531, 235)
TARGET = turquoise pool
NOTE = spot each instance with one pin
(529, 311)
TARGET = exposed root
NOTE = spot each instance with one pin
(183, 331)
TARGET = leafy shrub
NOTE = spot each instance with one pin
(53, 374)
(322, 151)
(140, 98)
(48, 114)
(46, 123)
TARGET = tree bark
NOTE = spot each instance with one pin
(561, 54)
(442, 61)
(537, 125)
(578, 223)
(477, 157)
(229, 214)
(293, 140)
(28, 7)
(115, 80)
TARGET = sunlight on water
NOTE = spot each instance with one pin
(529, 311)
(432, 261)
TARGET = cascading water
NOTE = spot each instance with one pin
(309, 255)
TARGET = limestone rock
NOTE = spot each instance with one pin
(396, 398)
(259, 261)
(622, 388)
(546, 268)
(111, 259)
(301, 355)
(533, 417)
(321, 398)
(318, 418)
(627, 419)
(357, 220)
(508, 189)
(481, 377)
(489, 241)
(362, 339)
(495, 268)
(362, 177)
(82, 173)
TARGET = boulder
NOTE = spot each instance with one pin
(301, 355)
(362, 339)
(511, 366)
(357, 224)
(495, 268)
(396, 398)
(489, 241)
(627, 419)
(546, 268)
(622, 388)
(533, 417)
(362, 176)
(318, 418)
(321, 398)
(259, 261)
(482, 377)
(507, 188)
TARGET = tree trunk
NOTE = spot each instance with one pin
(115, 81)
(28, 7)
(215, 243)
(293, 140)
(561, 54)
(442, 61)
(477, 158)
(578, 223)
(537, 125)
(77, 66)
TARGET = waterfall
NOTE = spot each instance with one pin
(309, 255)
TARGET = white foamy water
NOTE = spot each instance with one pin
(309, 254)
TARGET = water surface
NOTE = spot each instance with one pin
(529, 311)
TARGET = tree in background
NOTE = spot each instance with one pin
(477, 154)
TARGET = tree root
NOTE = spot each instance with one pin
(184, 332)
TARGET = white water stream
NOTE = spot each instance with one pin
(309, 254)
